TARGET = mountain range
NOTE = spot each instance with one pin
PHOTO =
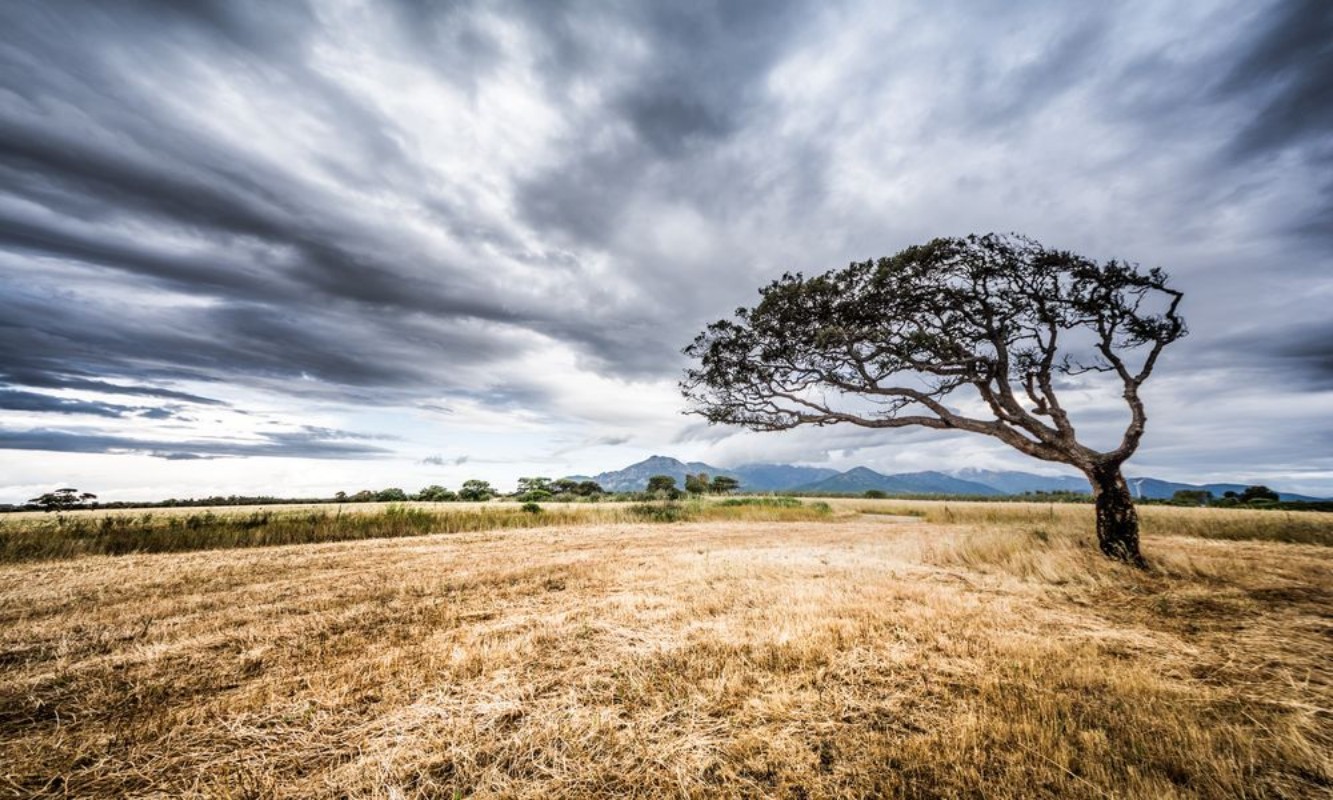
(858, 480)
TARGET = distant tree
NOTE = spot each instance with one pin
(697, 484)
(663, 485)
(875, 494)
(63, 500)
(891, 343)
(341, 497)
(1192, 497)
(391, 495)
(589, 489)
(564, 486)
(436, 494)
(723, 484)
(1252, 493)
(476, 491)
(526, 485)
(363, 496)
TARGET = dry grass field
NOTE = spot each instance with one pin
(976, 651)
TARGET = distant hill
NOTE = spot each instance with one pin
(634, 478)
(779, 477)
(863, 479)
(1155, 489)
(822, 480)
(1010, 482)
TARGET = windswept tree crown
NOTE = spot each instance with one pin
(882, 343)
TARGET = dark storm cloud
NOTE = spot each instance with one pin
(204, 192)
(1286, 76)
(14, 400)
(275, 255)
(295, 444)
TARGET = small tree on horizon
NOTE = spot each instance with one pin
(993, 323)
(697, 484)
(1252, 493)
(664, 486)
(723, 484)
(66, 499)
(476, 491)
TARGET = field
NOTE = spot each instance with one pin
(885, 649)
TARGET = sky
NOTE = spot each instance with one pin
(294, 248)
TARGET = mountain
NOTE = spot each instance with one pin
(861, 479)
(634, 478)
(779, 477)
(822, 480)
(1155, 489)
(1011, 482)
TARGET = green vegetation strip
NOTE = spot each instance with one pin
(65, 536)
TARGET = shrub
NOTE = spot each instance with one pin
(660, 512)
(532, 508)
(769, 502)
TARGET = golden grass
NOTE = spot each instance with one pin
(863, 657)
(1298, 527)
(37, 538)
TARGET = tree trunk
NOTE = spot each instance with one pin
(1117, 521)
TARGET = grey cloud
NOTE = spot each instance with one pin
(14, 400)
(181, 456)
(278, 445)
(1286, 77)
(683, 176)
(442, 461)
(49, 380)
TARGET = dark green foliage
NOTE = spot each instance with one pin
(526, 485)
(697, 484)
(1251, 494)
(875, 494)
(724, 484)
(391, 496)
(661, 512)
(663, 486)
(1192, 497)
(435, 494)
(532, 508)
(476, 491)
(589, 489)
(769, 502)
(63, 500)
(564, 486)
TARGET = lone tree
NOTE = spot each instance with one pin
(63, 500)
(971, 334)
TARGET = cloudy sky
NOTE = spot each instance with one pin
(294, 248)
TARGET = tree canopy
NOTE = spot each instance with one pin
(63, 499)
(970, 334)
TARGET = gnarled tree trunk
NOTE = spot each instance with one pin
(1117, 521)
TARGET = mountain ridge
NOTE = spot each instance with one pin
(771, 477)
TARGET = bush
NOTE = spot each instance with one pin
(532, 508)
(660, 512)
(769, 502)
(875, 494)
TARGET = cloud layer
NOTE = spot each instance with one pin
(225, 224)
